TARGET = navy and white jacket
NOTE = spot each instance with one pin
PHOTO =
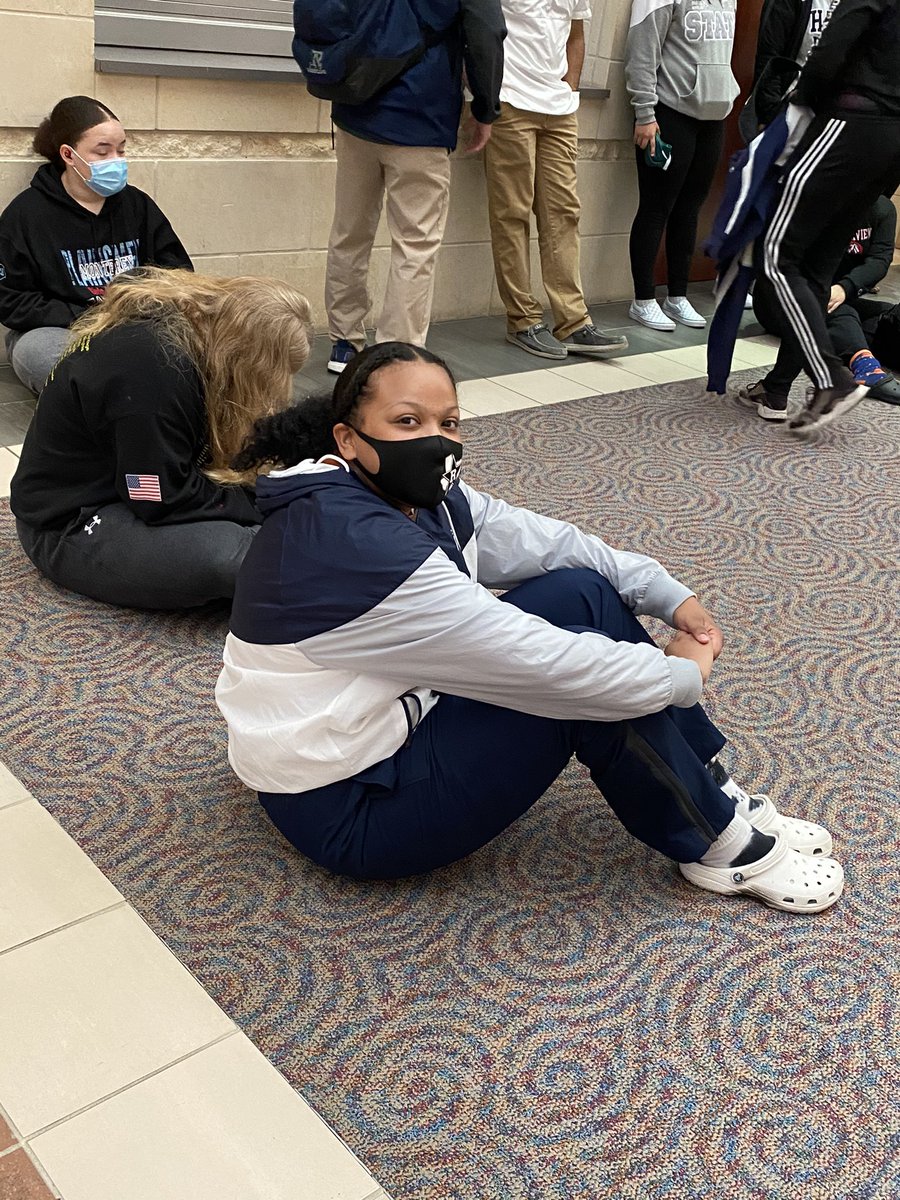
(349, 619)
(752, 190)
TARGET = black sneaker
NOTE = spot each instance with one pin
(771, 406)
(537, 339)
(342, 353)
(593, 341)
(824, 405)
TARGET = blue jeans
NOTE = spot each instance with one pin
(471, 769)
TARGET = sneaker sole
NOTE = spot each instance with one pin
(772, 414)
(669, 326)
(514, 341)
(683, 321)
(767, 414)
(335, 368)
(597, 351)
(842, 406)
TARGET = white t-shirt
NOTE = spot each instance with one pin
(534, 54)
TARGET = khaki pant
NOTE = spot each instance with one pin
(530, 165)
(416, 181)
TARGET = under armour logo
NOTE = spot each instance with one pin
(315, 61)
(89, 528)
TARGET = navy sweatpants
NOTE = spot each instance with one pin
(471, 768)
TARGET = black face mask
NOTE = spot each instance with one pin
(415, 471)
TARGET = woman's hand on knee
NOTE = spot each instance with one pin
(684, 645)
(691, 617)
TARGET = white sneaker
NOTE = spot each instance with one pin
(650, 314)
(681, 310)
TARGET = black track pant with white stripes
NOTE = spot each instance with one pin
(842, 165)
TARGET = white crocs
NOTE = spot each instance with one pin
(804, 836)
(758, 809)
(783, 879)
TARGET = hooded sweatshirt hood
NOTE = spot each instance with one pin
(340, 540)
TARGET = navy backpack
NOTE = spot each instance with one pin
(349, 50)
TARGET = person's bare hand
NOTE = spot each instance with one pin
(691, 617)
(476, 135)
(685, 645)
(645, 135)
(837, 297)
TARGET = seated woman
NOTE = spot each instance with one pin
(852, 320)
(394, 715)
(71, 232)
(123, 491)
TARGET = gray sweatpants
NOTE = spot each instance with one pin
(33, 355)
(109, 554)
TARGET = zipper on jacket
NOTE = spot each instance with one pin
(452, 526)
(412, 725)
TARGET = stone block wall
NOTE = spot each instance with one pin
(245, 169)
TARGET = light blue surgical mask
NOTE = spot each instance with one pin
(106, 177)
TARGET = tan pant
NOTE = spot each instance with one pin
(530, 165)
(416, 181)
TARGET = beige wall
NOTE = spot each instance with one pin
(245, 170)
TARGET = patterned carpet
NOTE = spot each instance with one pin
(559, 1016)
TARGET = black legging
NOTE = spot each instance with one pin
(671, 199)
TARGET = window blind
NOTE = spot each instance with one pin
(190, 37)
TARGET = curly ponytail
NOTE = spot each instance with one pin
(287, 437)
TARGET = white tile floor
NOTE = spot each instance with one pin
(119, 1076)
(8, 464)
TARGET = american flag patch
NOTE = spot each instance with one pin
(143, 487)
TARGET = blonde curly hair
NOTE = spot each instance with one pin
(246, 337)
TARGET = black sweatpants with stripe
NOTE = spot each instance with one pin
(844, 162)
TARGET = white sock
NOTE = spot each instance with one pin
(745, 806)
(733, 839)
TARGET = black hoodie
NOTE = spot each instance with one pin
(858, 53)
(57, 257)
(122, 418)
(868, 258)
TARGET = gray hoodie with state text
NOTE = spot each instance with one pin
(678, 53)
